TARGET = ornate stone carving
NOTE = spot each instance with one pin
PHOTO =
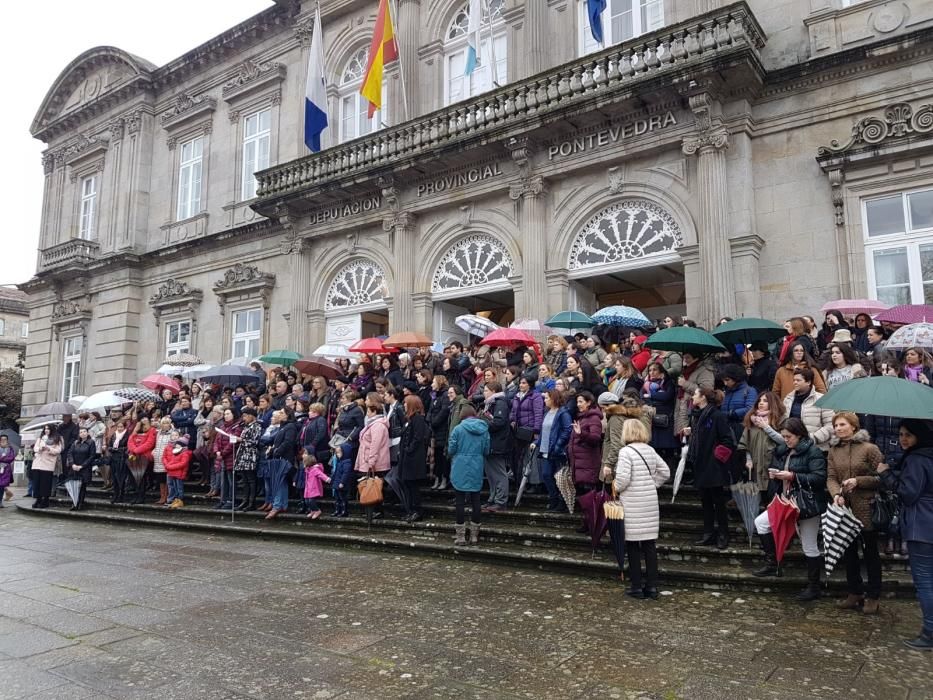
(62, 310)
(249, 71)
(628, 230)
(527, 187)
(241, 274)
(48, 162)
(471, 262)
(616, 180)
(358, 283)
(397, 220)
(389, 191)
(84, 144)
(711, 134)
(898, 120)
(115, 127)
(186, 105)
(836, 178)
(133, 121)
(171, 290)
(303, 29)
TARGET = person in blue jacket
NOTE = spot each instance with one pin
(552, 445)
(341, 472)
(913, 483)
(468, 447)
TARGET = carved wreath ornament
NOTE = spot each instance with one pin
(899, 119)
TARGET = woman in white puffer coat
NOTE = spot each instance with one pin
(639, 473)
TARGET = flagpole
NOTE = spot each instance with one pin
(401, 70)
(493, 69)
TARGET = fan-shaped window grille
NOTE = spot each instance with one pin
(625, 231)
(471, 262)
(461, 21)
(358, 283)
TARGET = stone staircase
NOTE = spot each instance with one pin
(527, 536)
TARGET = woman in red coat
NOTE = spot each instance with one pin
(586, 440)
(640, 354)
(224, 451)
(139, 447)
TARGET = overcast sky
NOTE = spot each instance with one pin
(37, 41)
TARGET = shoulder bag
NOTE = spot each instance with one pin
(370, 489)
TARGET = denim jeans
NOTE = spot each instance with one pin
(280, 491)
(548, 468)
(921, 568)
(176, 489)
(226, 486)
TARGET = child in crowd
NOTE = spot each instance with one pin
(176, 457)
(341, 467)
(314, 489)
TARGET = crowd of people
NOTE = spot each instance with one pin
(615, 415)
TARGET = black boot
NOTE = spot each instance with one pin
(812, 591)
(771, 567)
(708, 540)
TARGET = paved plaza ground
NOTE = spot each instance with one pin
(97, 611)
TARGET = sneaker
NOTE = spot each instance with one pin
(177, 503)
(923, 642)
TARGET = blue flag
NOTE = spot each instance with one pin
(594, 8)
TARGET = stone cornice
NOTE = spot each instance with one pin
(185, 108)
(899, 121)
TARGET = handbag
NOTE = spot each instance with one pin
(722, 453)
(524, 434)
(884, 511)
(806, 502)
(661, 420)
(370, 490)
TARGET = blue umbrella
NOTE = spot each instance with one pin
(621, 316)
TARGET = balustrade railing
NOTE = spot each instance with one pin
(77, 251)
(627, 63)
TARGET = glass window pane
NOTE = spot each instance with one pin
(239, 348)
(921, 209)
(264, 120)
(892, 276)
(885, 216)
(239, 322)
(253, 348)
(926, 272)
(255, 317)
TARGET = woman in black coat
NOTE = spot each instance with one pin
(350, 418)
(413, 455)
(709, 452)
(439, 419)
(80, 462)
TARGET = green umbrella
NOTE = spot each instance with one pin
(286, 358)
(685, 339)
(570, 319)
(881, 396)
(749, 330)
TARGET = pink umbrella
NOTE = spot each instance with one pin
(158, 382)
(855, 306)
(907, 313)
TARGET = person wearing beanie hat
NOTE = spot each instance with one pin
(607, 398)
(594, 353)
(176, 458)
(913, 483)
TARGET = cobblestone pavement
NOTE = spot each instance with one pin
(95, 611)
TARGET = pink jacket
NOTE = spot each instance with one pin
(374, 447)
(314, 481)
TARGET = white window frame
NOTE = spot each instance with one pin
(349, 89)
(88, 222)
(179, 346)
(72, 347)
(257, 147)
(640, 23)
(190, 178)
(910, 241)
(2, 326)
(248, 336)
(455, 50)
(24, 330)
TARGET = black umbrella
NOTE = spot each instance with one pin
(229, 375)
(15, 440)
(393, 481)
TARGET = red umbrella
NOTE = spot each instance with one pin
(907, 313)
(407, 339)
(782, 516)
(508, 337)
(318, 366)
(158, 382)
(594, 515)
(372, 346)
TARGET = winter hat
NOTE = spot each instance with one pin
(411, 386)
(182, 441)
(734, 372)
(842, 336)
(607, 398)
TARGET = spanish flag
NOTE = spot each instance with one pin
(382, 50)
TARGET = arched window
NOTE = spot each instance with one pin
(473, 261)
(459, 86)
(354, 107)
(359, 283)
(622, 20)
(628, 230)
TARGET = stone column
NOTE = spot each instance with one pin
(529, 193)
(317, 326)
(537, 39)
(401, 227)
(690, 256)
(746, 252)
(716, 276)
(300, 267)
(409, 39)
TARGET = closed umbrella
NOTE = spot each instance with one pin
(570, 320)
(591, 507)
(508, 337)
(394, 482)
(782, 516)
(73, 487)
(528, 459)
(914, 335)
(840, 527)
(158, 382)
(314, 365)
(907, 313)
(56, 408)
(749, 330)
(408, 339)
(285, 358)
(679, 472)
(746, 497)
(881, 396)
(137, 466)
(332, 351)
(615, 524)
(475, 325)
(15, 440)
(627, 316)
(132, 393)
(685, 339)
(568, 491)
(855, 306)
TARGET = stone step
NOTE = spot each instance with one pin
(679, 562)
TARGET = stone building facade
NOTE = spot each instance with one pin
(715, 158)
(14, 326)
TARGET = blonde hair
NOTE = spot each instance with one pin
(848, 417)
(318, 408)
(633, 430)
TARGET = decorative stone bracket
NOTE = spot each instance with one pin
(899, 120)
(173, 297)
(244, 282)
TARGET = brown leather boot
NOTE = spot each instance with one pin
(851, 602)
(163, 494)
(870, 607)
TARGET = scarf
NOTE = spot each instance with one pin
(913, 372)
(700, 419)
(685, 373)
(489, 402)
